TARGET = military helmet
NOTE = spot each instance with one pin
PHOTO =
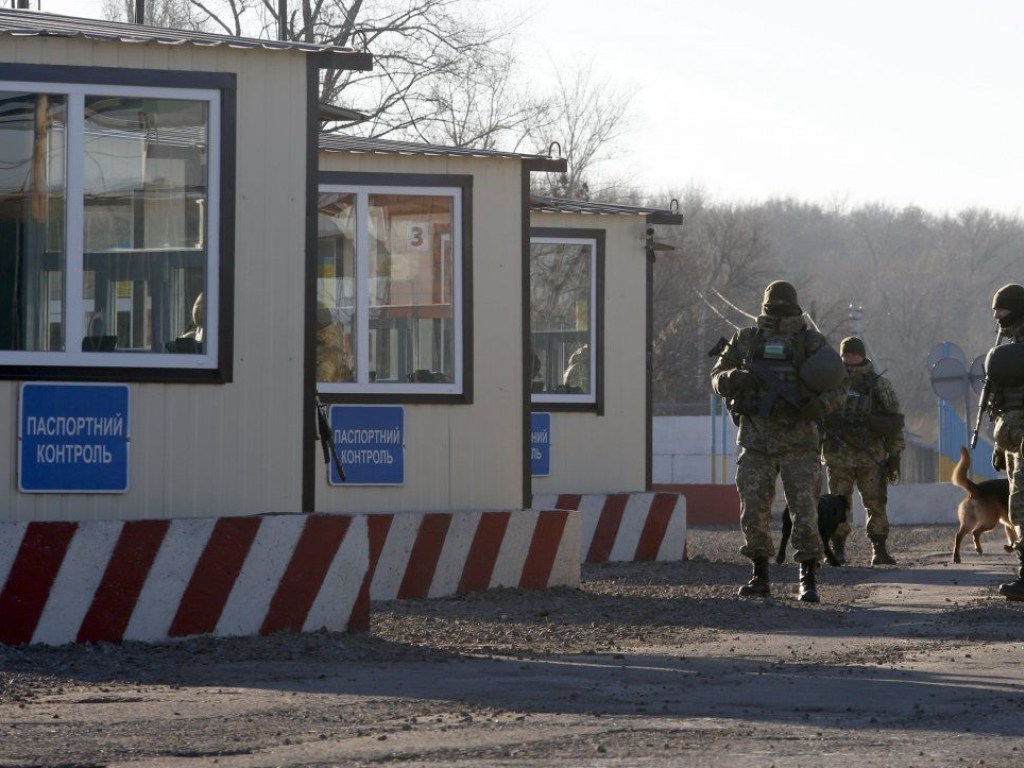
(823, 371)
(851, 345)
(1010, 297)
(780, 299)
(1004, 365)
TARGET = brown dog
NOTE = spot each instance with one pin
(986, 506)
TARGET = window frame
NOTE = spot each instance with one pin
(592, 402)
(362, 185)
(219, 92)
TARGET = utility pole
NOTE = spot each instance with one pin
(282, 19)
(140, 11)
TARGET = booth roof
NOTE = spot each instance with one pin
(560, 205)
(18, 23)
(333, 142)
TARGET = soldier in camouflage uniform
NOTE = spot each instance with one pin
(1006, 408)
(863, 447)
(775, 436)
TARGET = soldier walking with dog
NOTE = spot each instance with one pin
(863, 448)
(780, 379)
(1004, 375)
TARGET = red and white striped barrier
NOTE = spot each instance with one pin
(623, 527)
(157, 579)
(416, 555)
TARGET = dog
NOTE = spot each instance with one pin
(832, 511)
(986, 506)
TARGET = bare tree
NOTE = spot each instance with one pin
(586, 117)
(174, 14)
(480, 104)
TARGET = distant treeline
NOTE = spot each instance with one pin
(920, 278)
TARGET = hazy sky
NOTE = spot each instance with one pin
(905, 102)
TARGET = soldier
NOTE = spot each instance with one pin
(863, 446)
(780, 378)
(1004, 371)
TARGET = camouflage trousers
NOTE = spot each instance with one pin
(1009, 436)
(1015, 472)
(874, 491)
(756, 473)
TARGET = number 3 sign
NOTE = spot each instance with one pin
(419, 236)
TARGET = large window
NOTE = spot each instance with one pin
(564, 317)
(390, 290)
(109, 226)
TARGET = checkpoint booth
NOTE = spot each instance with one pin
(173, 265)
(591, 271)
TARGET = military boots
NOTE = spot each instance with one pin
(760, 583)
(808, 587)
(879, 554)
(1015, 589)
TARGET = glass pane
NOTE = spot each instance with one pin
(560, 291)
(32, 152)
(412, 329)
(336, 288)
(145, 224)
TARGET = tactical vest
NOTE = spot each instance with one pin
(781, 355)
(851, 420)
(1006, 398)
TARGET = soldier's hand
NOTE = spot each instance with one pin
(892, 466)
(812, 410)
(740, 381)
(998, 460)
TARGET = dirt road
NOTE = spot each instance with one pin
(646, 665)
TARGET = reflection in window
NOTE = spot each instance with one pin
(401, 286)
(562, 316)
(32, 261)
(122, 263)
(145, 194)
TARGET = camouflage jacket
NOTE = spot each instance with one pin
(783, 431)
(1008, 429)
(868, 394)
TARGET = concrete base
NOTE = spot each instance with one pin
(626, 527)
(417, 555)
(154, 580)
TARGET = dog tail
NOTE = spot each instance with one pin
(960, 477)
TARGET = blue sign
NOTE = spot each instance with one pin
(73, 438)
(540, 444)
(371, 444)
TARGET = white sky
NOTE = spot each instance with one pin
(899, 101)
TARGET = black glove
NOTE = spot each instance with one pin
(740, 381)
(812, 410)
(998, 460)
(892, 468)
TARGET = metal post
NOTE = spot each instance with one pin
(140, 11)
(714, 432)
(282, 19)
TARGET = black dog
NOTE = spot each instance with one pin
(832, 510)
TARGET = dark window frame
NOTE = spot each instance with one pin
(598, 236)
(226, 84)
(464, 183)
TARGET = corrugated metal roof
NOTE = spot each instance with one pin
(333, 142)
(559, 205)
(40, 24)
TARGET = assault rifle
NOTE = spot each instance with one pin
(326, 438)
(774, 391)
(986, 393)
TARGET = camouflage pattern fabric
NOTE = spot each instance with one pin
(1009, 435)
(785, 432)
(873, 485)
(861, 378)
(756, 472)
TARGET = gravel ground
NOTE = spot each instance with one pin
(645, 664)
